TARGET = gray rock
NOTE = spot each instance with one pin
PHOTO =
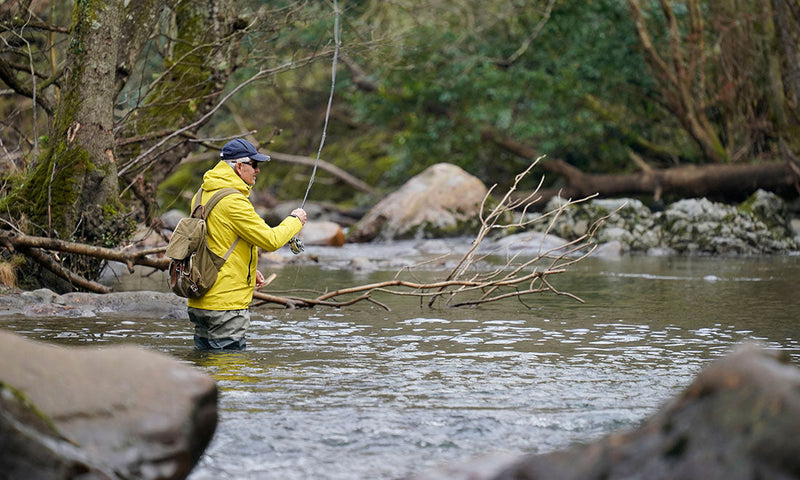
(612, 249)
(45, 302)
(322, 233)
(33, 449)
(127, 410)
(771, 210)
(761, 225)
(363, 264)
(170, 218)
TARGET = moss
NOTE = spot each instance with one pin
(23, 408)
(54, 188)
(458, 229)
(177, 190)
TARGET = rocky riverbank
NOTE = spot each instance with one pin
(445, 201)
(761, 225)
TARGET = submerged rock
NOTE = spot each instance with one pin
(738, 420)
(119, 412)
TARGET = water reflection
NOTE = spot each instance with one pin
(364, 393)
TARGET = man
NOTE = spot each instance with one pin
(221, 316)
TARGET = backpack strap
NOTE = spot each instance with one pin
(210, 204)
(205, 209)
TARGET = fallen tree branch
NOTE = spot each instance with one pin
(128, 258)
(517, 278)
(51, 264)
(465, 285)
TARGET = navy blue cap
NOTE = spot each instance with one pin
(241, 148)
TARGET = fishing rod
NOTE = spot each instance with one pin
(295, 244)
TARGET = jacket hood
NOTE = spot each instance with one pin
(222, 176)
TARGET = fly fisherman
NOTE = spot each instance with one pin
(221, 316)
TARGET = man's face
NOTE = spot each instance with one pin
(247, 171)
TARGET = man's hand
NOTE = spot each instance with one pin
(260, 282)
(300, 214)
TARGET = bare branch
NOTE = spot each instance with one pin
(328, 167)
(51, 264)
(534, 34)
(515, 279)
(150, 155)
(129, 258)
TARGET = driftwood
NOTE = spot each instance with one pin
(464, 285)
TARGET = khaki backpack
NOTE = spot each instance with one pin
(193, 267)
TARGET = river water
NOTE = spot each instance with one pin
(362, 392)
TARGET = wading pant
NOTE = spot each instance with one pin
(219, 329)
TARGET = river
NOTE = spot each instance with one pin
(362, 392)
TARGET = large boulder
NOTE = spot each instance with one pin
(738, 420)
(442, 201)
(119, 412)
(323, 232)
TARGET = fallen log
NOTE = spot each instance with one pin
(727, 181)
(129, 258)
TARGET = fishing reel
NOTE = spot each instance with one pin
(296, 245)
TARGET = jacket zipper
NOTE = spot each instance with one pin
(249, 265)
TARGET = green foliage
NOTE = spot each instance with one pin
(457, 82)
(580, 90)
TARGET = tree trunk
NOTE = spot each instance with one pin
(200, 56)
(73, 185)
(72, 191)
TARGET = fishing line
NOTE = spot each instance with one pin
(330, 98)
(295, 243)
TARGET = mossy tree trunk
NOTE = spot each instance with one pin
(72, 188)
(71, 191)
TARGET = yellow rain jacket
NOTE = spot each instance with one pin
(234, 216)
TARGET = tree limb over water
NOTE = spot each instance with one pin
(467, 284)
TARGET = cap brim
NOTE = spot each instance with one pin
(260, 157)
